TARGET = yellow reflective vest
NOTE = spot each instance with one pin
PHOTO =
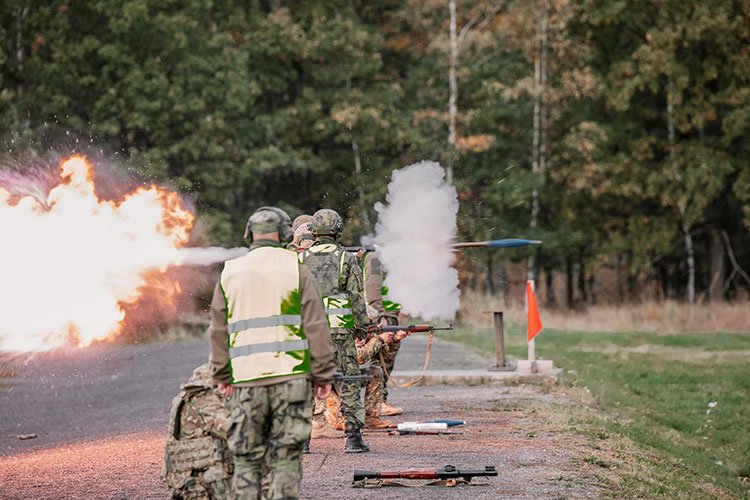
(264, 321)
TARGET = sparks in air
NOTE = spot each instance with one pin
(70, 261)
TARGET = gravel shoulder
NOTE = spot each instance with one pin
(100, 417)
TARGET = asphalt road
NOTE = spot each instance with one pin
(73, 395)
(99, 415)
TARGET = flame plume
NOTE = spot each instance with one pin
(70, 262)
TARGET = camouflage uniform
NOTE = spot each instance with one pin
(336, 271)
(378, 308)
(280, 414)
(373, 394)
(198, 464)
(269, 364)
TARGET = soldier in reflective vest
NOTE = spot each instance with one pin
(269, 339)
(339, 280)
(384, 312)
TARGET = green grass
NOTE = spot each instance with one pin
(652, 394)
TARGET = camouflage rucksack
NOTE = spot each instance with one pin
(198, 464)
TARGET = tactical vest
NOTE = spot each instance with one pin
(326, 263)
(199, 467)
(264, 321)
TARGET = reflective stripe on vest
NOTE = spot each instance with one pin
(264, 321)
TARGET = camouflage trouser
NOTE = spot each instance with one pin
(269, 426)
(346, 363)
(373, 400)
(389, 356)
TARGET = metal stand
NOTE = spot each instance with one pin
(501, 364)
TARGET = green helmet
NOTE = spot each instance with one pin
(269, 220)
(327, 222)
(299, 220)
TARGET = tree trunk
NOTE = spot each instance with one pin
(715, 287)
(682, 209)
(359, 180)
(539, 138)
(549, 284)
(570, 300)
(453, 93)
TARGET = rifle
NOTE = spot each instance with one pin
(411, 328)
(447, 472)
(362, 377)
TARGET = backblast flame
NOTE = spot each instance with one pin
(71, 261)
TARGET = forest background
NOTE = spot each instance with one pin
(614, 131)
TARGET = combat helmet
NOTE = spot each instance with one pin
(299, 220)
(327, 222)
(269, 220)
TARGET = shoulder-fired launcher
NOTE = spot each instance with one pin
(447, 472)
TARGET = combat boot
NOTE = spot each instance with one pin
(355, 443)
(323, 430)
(372, 422)
(387, 410)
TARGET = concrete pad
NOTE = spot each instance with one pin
(478, 377)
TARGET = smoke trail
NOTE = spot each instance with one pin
(413, 234)
(204, 256)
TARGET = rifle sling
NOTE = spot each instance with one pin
(421, 375)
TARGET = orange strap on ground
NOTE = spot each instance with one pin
(421, 375)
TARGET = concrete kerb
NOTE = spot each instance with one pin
(479, 377)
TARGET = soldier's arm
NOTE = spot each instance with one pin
(373, 283)
(370, 350)
(316, 330)
(352, 277)
(219, 338)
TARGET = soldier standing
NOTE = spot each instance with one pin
(339, 280)
(267, 308)
(384, 312)
(198, 464)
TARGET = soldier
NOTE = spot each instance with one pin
(267, 308)
(298, 221)
(303, 237)
(384, 312)
(339, 280)
(368, 352)
(198, 464)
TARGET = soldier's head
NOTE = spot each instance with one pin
(299, 220)
(327, 222)
(303, 237)
(269, 223)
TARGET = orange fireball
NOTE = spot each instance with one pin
(69, 262)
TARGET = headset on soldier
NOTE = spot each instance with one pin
(284, 228)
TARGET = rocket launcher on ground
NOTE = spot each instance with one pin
(462, 245)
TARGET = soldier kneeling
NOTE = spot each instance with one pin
(198, 464)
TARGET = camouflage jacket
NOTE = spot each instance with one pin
(198, 463)
(337, 271)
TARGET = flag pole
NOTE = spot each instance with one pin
(531, 343)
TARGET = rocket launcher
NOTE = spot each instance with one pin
(447, 472)
(463, 245)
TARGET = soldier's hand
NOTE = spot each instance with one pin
(322, 391)
(400, 335)
(386, 337)
(226, 389)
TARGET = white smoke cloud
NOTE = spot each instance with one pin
(414, 230)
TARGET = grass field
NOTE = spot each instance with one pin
(671, 412)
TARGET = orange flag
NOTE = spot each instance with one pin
(534, 322)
